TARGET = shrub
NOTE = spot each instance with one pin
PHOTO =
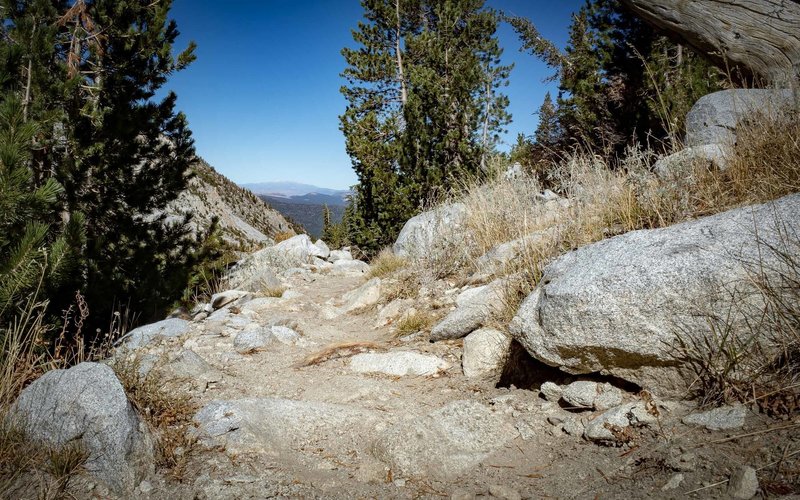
(752, 353)
(386, 263)
(283, 236)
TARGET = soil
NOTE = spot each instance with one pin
(543, 461)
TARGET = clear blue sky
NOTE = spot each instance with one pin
(263, 96)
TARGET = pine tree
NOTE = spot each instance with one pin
(88, 71)
(372, 123)
(424, 107)
(454, 105)
(547, 133)
(35, 256)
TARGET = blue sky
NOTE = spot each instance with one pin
(263, 96)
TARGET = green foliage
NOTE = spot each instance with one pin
(424, 108)
(107, 155)
(34, 256)
(333, 233)
(620, 82)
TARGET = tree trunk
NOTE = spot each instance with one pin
(761, 37)
(399, 54)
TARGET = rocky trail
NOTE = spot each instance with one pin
(310, 395)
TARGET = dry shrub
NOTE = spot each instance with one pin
(27, 466)
(276, 292)
(386, 263)
(752, 352)
(764, 165)
(283, 236)
(168, 412)
(413, 323)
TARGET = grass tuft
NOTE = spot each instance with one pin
(169, 413)
(386, 263)
(412, 323)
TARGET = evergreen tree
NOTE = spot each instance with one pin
(453, 100)
(372, 123)
(424, 107)
(87, 71)
(35, 256)
(547, 132)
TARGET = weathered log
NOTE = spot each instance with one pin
(762, 37)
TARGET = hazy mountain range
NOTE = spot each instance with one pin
(302, 203)
(296, 192)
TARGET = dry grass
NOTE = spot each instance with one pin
(752, 353)
(412, 323)
(764, 165)
(276, 292)
(340, 350)
(283, 236)
(168, 412)
(27, 466)
(386, 263)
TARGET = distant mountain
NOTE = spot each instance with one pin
(301, 210)
(296, 189)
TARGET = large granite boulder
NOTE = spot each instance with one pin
(428, 231)
(616, 306)
(714, 118)
(87, 404)
(301, 248)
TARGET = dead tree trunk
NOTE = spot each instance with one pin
(761, 37)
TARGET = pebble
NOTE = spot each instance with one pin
(743, 483)
(503, 491)
(674, 483)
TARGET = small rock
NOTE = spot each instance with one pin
(743, 483)
(285, 335)
(364, 296)
(590, 395)
(503, 491)
(574, 426)
(719, 419)
(337, 255)
(398, 364)
(673, 483)
(526, 432)
(551, 391)
(168, 328)
(252, 340)
(602, 428)
(291, 294)
(485, 354)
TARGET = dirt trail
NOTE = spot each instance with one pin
(275, 428)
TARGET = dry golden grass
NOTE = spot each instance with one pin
(26, 466)
(386, 263)
(276, 292)
(283, 236)
(340, 350)
(764, 165)
(168, 412)
(413, 323)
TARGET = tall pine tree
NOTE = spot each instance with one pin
(424, 107)
(87, 72)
